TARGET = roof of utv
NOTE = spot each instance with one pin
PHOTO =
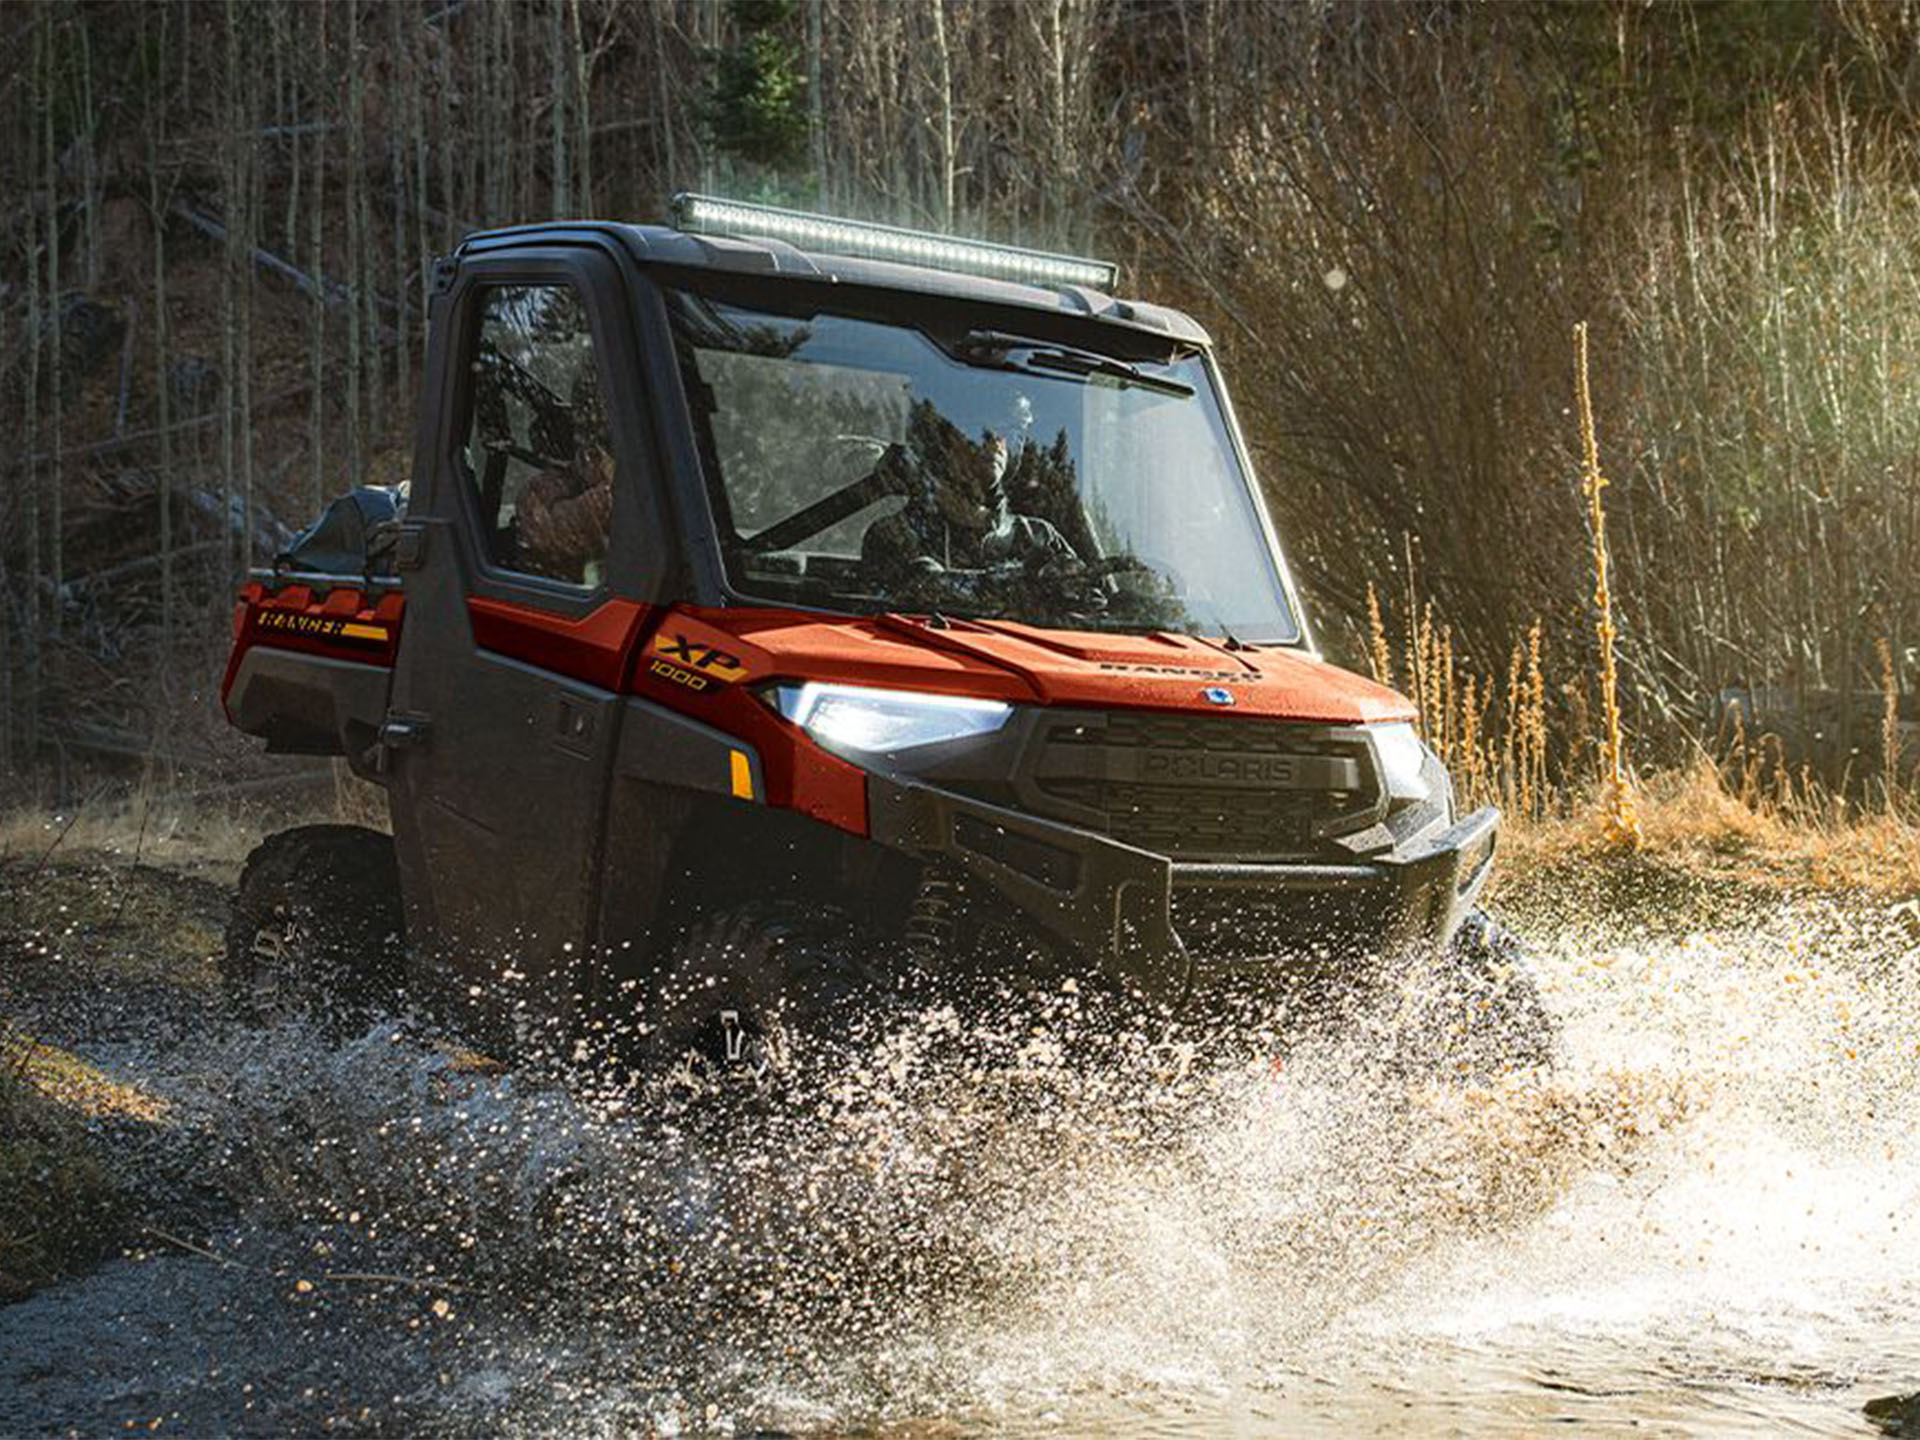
(661, 245)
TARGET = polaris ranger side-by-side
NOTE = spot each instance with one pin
(781, 602)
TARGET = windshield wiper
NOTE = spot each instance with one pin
(995, 350)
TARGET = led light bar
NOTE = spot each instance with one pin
(705, 215)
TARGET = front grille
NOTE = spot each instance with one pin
(1201, 788)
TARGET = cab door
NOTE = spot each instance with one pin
(527, 560)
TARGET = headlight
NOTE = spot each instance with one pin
(878, 722)
(1403, 758)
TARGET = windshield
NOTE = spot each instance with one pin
(864, 466)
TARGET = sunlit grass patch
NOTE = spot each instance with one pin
(59, 1208)
(88, 910)
(84, 1089)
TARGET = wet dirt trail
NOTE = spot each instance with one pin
(1702, 1222)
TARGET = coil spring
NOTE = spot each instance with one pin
(934, 917)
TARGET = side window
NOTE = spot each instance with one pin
(538, 451)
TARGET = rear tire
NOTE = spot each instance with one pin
(743, 989)
(316, 928)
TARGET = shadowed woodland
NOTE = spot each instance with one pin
(217, 221)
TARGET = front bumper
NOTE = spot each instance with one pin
(1143, 918)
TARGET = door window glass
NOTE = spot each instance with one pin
(538, 451)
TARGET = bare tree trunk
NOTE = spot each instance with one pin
(56, 528)
(366, 266)
(283, 19)
(557, 72)
(417, 110)
(89, 160)
(402, 81)
(248, 221)
(318, 88)
(356, 257)
(943, 63)
(816, 99)
(582, 117)
(443, 120)
(157, 207)
(7, 630)
(36, 323)
(233, 256)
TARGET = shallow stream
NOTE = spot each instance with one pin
(1703, 1221)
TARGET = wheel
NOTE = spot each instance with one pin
(316, 927)
(1491, 1002)
(743, 988)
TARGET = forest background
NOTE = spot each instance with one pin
(218, 220)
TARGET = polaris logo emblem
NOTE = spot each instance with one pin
(1255, 771)
(1217, 695)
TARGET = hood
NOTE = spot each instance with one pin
(1002, 660)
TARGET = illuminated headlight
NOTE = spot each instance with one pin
(704, 214)
(1403, 759)
(879, 722)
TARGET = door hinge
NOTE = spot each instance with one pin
(410, 549)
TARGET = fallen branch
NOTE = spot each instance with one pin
(152, 432)
(340, 1277)
(193, 1249)
(329, 291)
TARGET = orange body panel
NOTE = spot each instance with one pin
(1004, 661)
(344, 623)
(593, 648)
(699, 661)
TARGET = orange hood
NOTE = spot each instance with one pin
(1021, 663)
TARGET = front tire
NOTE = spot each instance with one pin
(316, 928)
(744, 989)
(1492, 1001)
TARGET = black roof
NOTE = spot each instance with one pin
(661, 245)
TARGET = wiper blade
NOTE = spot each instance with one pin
(1079, 362)
(995, 350)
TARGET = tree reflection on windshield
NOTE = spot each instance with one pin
(857, 465)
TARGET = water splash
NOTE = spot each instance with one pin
(1701, 1218)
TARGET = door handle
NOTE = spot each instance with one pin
(401, 731)
(574, 721)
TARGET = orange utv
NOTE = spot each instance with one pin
(783, 607)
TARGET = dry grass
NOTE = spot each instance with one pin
(198, 831)
(147, 827)
(1622, 823)
(1696, 821)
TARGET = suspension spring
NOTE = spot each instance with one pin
(933, 920)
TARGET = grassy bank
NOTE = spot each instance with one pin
(1698, 828)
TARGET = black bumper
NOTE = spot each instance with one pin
(1127, 909)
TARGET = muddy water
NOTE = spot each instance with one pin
(1703, 1221)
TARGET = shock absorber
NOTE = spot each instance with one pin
(933, 919)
